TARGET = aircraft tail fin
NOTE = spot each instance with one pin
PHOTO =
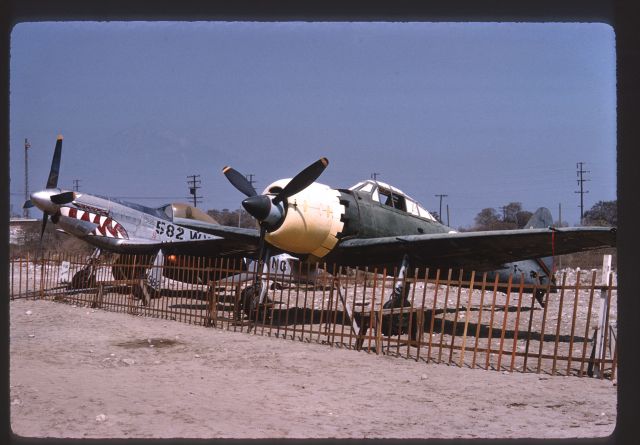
(541, 219)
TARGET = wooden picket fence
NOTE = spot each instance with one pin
(452, 317)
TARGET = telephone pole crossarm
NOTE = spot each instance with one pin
(194, 185)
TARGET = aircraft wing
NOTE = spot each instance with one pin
(210, 248)
(242, 235)
(473, 250)
(232, 241)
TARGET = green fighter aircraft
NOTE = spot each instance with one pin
(376, 225)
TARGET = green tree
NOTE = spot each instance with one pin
(511, 212)
(522, 217)
(232, 218)
(603, 213)
(513, 217)
(487, 219)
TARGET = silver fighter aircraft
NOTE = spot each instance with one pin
(165, 234)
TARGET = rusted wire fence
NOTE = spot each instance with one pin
(449, 316)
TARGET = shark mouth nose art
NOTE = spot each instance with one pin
(106, 225)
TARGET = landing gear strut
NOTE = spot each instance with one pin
(86, 277)
(254, 299)
(398, 324)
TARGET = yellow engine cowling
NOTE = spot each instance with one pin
(312, 221)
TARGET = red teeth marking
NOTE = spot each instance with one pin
(73, 213)
(122, 233)
(110, 229)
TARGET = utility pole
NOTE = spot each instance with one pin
(448, 216)
(194, 185)
(581, 181)
(27, 146)
(374, 176)
(440, 211)
(504, 212)
(76, 185)
(559, 214)
(250, 179)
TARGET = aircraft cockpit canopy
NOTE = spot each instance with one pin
(390, 196)
(182, 210)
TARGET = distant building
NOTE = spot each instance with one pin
(23, 230)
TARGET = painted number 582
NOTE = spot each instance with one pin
(171, 231)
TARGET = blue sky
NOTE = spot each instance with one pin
(486, 113)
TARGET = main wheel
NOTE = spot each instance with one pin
(249, 301)
(83, 279)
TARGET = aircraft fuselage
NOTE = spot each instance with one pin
(319, 218)
(116, 226)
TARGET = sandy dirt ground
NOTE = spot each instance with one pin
(85, 373)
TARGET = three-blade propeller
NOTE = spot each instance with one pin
(266, 209)
(270, 211)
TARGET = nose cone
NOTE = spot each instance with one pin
(258, 206)
(42, 200)
(262, 208)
